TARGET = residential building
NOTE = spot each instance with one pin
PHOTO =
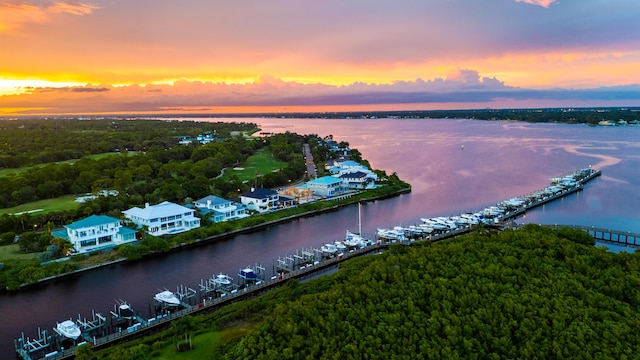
(164, 218)
(260, 200)
(340, 168)
(326, 186)
(220, 209)
(95, 233)
(357, 180)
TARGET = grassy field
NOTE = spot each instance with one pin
(260, 163)
(66, 202)
(5, 172)
(13, 252)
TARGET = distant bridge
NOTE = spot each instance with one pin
(609, 236)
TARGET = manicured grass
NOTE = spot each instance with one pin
(204, 347)
(9, 252)
(66, 202)
(262, 162)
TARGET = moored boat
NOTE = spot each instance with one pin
(248, 274)
(329, 249)
(354, 240)
(125, 311)
(167, 298)
(222, 279)
(68, 329)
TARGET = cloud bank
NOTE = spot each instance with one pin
(15, 14)
(462, 88)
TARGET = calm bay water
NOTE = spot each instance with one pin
(453, 166)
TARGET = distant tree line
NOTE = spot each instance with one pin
(40, 141)
(561, 115)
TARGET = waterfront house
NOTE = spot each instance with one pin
(357, 180)
(260, 199)
(95, 233)
(285, 202)
(326, 186)
(340, 168)
(164, 218)
(220, 209)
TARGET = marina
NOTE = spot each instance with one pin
(434, 228)
(220, 289)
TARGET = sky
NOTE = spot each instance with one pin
(208, 56)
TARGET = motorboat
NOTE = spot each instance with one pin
(329, 249)
(340, 246)
(167, 298)
(222, 279)
(391, 234)
(68, 329)
(435, 224)
(354, 240)
(125, 311)
(248, 274)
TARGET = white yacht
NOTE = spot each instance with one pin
(68, 329)
(329, 249)
(340, 246)
(167, 298)
(222, 279)
(354, 240)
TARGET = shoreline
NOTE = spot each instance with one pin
(207, 240)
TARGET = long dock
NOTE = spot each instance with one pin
(609, 236)
(304, 264)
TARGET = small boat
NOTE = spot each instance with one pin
(340, 246)
(125, 311)
(391, 234)
(354, 240)
(248, 274)
(329, 249)
(68, 329)
(168, 298)
(222, 279)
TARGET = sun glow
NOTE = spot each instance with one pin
(17, 87)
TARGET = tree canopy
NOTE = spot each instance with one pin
(532, 293)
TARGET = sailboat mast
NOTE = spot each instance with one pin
(359, 220)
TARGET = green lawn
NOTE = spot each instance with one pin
(5, 172)
(13, 252)
(260, 163)
(66, 202)
(203, 348)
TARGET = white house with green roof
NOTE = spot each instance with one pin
(96, 232)
(164, 218)
(326, 186)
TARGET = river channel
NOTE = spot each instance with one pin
(453, 166)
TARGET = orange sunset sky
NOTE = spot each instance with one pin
(160, 56)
